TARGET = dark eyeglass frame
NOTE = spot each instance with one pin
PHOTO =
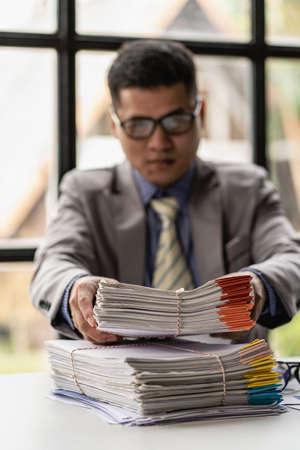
(292, 369)
(160, 121)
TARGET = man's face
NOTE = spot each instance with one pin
(161, 159)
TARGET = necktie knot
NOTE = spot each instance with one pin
(167, 208)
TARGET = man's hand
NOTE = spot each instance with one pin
(81, 306)
(259, 297)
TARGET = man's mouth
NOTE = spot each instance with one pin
(161, 163)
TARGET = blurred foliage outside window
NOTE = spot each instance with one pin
(282, 22)
(22, 328)
(285, 340)
(283, 146)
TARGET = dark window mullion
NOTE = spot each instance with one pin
(66, 88)
(111, 43)
(259, 83)
(39, 40)
(281, 51)
(17, 254)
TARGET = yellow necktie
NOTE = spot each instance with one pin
(171, 270)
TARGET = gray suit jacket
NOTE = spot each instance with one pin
(100, 229)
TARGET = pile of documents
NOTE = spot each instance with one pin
(220, 305)
(147, 382)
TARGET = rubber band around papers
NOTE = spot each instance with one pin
(213, 355)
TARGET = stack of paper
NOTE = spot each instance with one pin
(219, 305)
(116, 415)
(167, 380)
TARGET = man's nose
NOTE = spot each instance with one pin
(159, 139)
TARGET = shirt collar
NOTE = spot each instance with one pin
(180, 190)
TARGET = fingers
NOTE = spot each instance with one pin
(81, 306)
(90, 333)
(81, 301)
(221, 335)
(109, 280)
(233, 335)
(259, 296)
(84, 301)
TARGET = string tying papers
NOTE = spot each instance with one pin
(74, 376)
(213, 355)
(178, 292)
(73, 366)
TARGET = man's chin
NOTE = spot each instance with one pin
(162, 179)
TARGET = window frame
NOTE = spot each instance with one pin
(66, 42)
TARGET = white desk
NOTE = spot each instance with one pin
(29, 420)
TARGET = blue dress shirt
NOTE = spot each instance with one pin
(181, 191)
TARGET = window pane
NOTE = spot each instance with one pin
(27, 140)
(282, 21)
(223, 82)
(285, 340)
(284, 132)
(179, 19)
(38, 16)
(23, 329)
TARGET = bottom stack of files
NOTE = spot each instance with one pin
(115, 415)
(147, 382)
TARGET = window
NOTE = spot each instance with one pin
(27, 139)
(54, 57)
(282, 20)
(283, 131)
(37, 16)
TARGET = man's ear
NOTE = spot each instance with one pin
(203, 112)
(113, 125)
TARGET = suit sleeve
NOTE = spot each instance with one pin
(66, 253)
(275, 251)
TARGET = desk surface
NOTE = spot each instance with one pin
(30, 420)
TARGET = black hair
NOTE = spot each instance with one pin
(151, 63)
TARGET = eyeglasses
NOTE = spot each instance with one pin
(173, 124)
(289, 369)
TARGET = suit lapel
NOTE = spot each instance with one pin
(130, 223)
(205, 210)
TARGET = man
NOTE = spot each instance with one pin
(109, 223)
